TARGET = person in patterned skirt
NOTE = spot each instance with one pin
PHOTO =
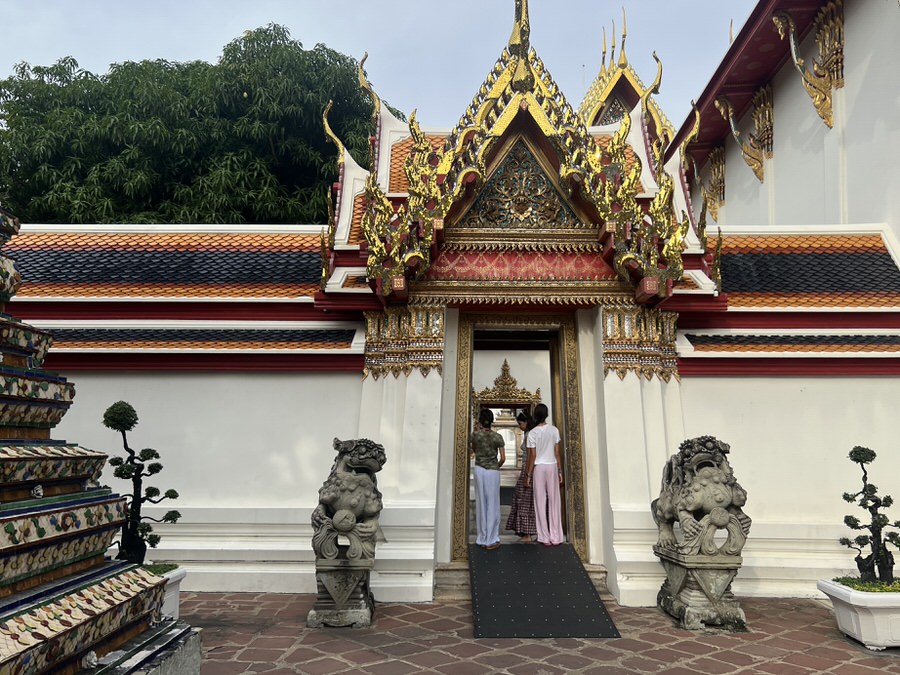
(521, 514)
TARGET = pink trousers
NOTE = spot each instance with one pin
(546, 504)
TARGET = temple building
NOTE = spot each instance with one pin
(735, 276)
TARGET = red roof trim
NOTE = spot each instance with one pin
(788, 367)
(204, 363)
(37, 310)
(769, 320)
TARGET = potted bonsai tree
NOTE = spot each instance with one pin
(868, 606)
(137, 534)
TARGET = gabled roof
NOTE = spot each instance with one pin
(423, 183)
(619, 80)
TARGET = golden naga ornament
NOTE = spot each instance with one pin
(751, 149)
(827, 73)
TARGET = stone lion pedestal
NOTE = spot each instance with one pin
(697, 589)
(700, 494)
(348, 510)
(344, 597)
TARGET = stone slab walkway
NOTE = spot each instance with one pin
(267, 633)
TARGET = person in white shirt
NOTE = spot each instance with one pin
(544, 473)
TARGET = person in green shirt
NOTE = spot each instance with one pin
(485, 445)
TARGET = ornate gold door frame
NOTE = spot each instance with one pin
(569, 400)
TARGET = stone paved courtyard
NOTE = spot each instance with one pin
(267, 633)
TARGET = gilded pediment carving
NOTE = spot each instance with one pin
(520, 196)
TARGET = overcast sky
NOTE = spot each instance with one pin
(426, 54)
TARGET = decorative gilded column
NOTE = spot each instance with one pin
(643, 422)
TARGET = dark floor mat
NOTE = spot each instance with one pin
(534, 591)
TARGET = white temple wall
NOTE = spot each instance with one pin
(847, 174)
(789, 442)
(872, 99)
(803, 189)
(746, 199)
(248, 454)
(403, 414)
(644, 426)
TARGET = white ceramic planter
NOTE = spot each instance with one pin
(173, 588)
(871, 618)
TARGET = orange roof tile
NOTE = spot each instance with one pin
(788, 347)
(803, 243)
(686, 283)
(399, 152)
(355, 281)
(359, 208)
(150, 290)
(813, 300)
(174, 241)
(72, 264)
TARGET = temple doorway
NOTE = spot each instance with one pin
(509, 364)
(512, 371)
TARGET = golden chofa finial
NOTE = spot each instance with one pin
(612, 49)
(364, 84)
(520, 40)
(603, 57)
(331, 135)
(376, 104)
(622, 60)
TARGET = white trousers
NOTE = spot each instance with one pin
(487, 506)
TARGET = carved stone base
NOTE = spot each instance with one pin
(697, 590)
(344, 599)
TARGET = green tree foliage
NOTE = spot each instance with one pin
(237, 141)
